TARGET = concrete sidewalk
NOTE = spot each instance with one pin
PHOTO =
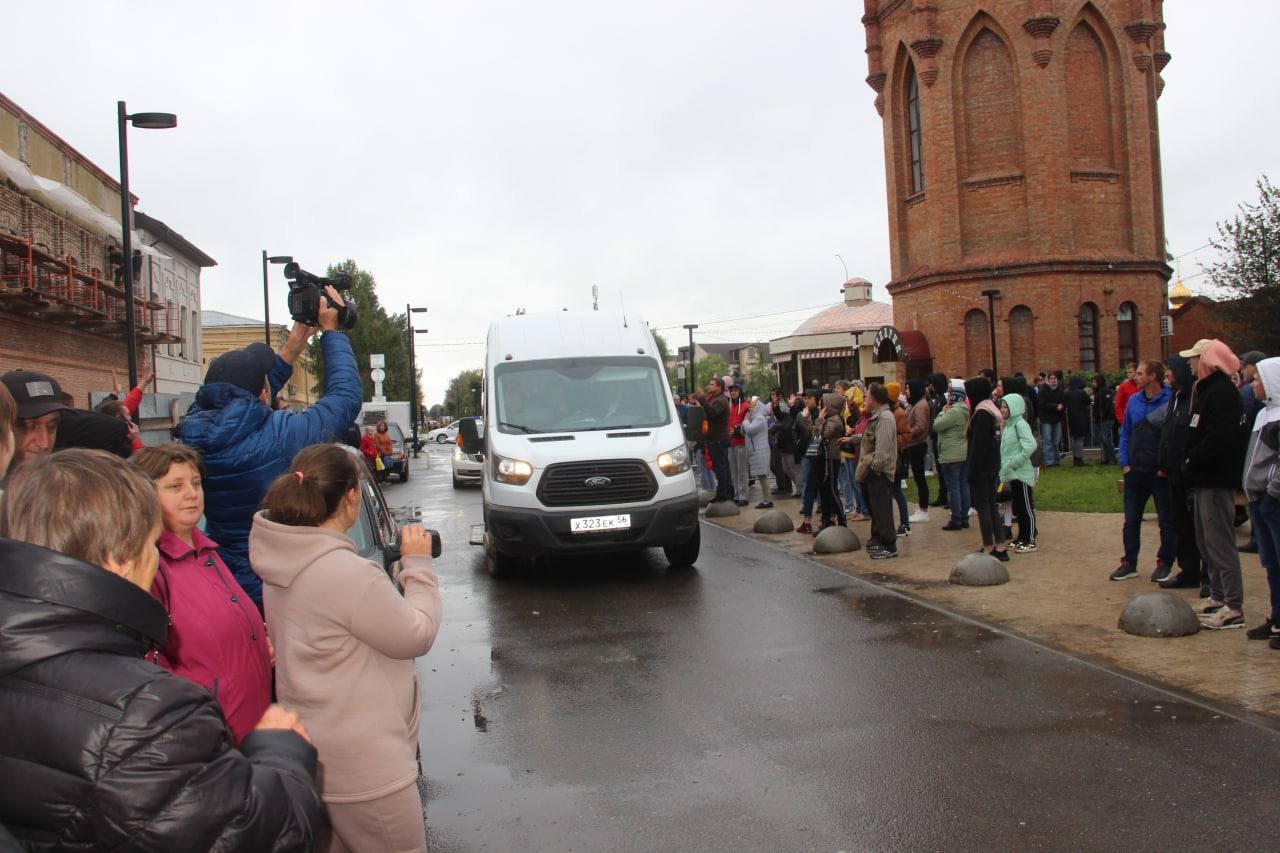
(1061, 595)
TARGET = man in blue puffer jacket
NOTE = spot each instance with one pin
(246, 445)
(1139, 454)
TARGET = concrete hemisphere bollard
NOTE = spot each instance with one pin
(724, 509)
(704, 497)
(1159, 614)
(836, 540)
(774, 521)
(979, 570)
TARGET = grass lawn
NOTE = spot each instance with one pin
(1067, 489)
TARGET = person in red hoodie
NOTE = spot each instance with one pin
(216, 635)
(739, 457)
(1126, 389)
(369, 449)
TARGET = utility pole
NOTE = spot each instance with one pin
(693, 374)
(409, 331)
(991, 316)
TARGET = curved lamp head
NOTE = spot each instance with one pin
(153, 121)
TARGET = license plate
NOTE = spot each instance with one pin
(597, 523)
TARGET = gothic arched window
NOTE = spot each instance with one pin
(1087, 326)
(915, 142)
(1127, 332)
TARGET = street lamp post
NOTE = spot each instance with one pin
(413, 371)
(693, 374)
(266, 298)
(149, 121)
(991, 317)
(857, 355)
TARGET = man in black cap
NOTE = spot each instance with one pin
(246, 444)
(40, 408)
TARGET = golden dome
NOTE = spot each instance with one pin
(1179, 293)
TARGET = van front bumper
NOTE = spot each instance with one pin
(544, 532)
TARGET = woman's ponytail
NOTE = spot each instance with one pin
(311, 491)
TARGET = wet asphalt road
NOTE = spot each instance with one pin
(765, 702)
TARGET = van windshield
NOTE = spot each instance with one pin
(580, 394)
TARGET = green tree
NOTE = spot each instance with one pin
(435, 412)
(761, 380)
(462, 398)
(1249, 269)
(712, 365)
(375, 332)
(664, 353)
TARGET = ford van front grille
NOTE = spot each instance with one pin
(613, 481)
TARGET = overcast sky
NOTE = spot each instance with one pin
(697, 161)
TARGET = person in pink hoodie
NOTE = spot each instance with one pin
(216, 635)
(345, 640)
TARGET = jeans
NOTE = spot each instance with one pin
(1077, 448)
(916, 454)
(879, 488)
(1051, 435)
(1102, 438)
(956, 476)
(1138, 487)
(706, 480)
(740, 468)
(1215, 511)
(809, 473)
(719, 451)
(850, 491)
(1265, 516)
(900, 497)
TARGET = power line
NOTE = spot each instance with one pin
(747, 316)
(1193, 251)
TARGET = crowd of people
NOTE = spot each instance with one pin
(1197, 436)
(192, 654)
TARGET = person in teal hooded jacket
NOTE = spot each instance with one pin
(1017, 443)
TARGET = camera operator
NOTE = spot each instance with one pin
(246, 444)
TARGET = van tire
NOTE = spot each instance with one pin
(685, 554)
(457, 484)
(404, 471)
(499, 564)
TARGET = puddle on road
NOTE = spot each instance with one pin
(911, 623)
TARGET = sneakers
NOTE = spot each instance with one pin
(1180, 581)
(765, 505)
(1124, 572)
(742, 503)
(1024, 547)
(805, 527)
(972, 512)
(1002, 556)
(1162, 572)
(1266, 631)
(1224, 619)
(1248, 548)
(951, 525)
(904, 529)
(879, 552)
(919, 516)
(1209, 607)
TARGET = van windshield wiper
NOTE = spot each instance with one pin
(520, 427)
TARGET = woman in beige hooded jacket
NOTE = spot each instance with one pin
(345, 642)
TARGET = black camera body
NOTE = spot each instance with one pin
(307, 289)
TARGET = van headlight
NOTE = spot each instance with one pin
(674, 461)
(515, 472)
(458, 455)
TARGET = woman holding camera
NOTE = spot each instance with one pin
(101, 749)
(345, 642)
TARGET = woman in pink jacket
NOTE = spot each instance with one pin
(216, 635)
(346, 640)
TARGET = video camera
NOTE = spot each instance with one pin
(306, 289)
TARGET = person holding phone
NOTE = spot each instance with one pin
(345, 641)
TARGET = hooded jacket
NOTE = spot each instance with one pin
(216, 635)
(830, 426)
(1217, 435)
(950, 426)
(1141, 430)
(1077, 402)
(116, 753)
(919, 414)
(984, 433)
(878, 453)
(756, 431)
(345, 643)
(246, 445)
(1017, 442)
(1102, 411)
(1173, 438)
(737, 416)
(1262, 471)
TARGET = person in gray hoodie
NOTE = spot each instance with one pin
(1262, 487)
(345, 641)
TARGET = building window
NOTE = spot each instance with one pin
(915, 143)
(1087, 327)
(193, 348)
(182, 332)
(168, 325)
(1127, 329)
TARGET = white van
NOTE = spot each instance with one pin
(584, 451)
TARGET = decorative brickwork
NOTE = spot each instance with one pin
(1043, 184)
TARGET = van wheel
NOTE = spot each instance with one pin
(457, 484)
(685, 554)
(404, 471)
(500, 565)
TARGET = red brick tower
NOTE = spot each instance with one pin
(1022, 155)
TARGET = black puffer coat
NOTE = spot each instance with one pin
(100, 750)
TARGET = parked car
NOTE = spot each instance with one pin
(399, 466)
(444, 434)
(468, 468)
(376, 534)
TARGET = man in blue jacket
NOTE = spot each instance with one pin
(1139, 456)
(246, 444)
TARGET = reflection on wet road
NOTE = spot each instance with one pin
(763, 702)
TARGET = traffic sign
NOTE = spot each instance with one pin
(377, 374)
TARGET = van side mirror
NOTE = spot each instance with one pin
(469, 432)
(694, 417)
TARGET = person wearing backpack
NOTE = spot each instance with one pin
(1144, 419)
